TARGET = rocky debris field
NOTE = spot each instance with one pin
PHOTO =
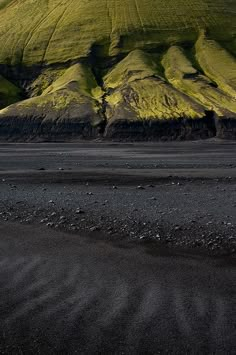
(180, 195)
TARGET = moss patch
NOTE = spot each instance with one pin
(9, 93)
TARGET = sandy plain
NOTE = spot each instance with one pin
(118, 248)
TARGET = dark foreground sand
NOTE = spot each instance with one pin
(61, 294)
(118, 248)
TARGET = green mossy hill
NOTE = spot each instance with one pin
(79, 78)
(141, 103)
(67, 107)
(135, 84)
(135, 66)
(183, 76)
(56, 31)
(146, 69)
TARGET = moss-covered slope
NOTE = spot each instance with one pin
(119, 68)
(67, 107)
(55, 31)
(142, 103)
(182, 75)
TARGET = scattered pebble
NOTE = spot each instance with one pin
(95, 228)
(50, 224)
(79, 211)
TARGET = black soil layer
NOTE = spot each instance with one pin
(31, 128)
(34, 129)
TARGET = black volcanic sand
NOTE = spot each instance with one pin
(118, 248)
(61, 294)
(174, 194)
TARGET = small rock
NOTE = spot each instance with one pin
(44, 220)
(79, 211)
(95, 228)
(140, 187)
(50, 224)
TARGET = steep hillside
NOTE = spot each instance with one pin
(144, 69)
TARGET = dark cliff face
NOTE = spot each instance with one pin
(120, 70)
